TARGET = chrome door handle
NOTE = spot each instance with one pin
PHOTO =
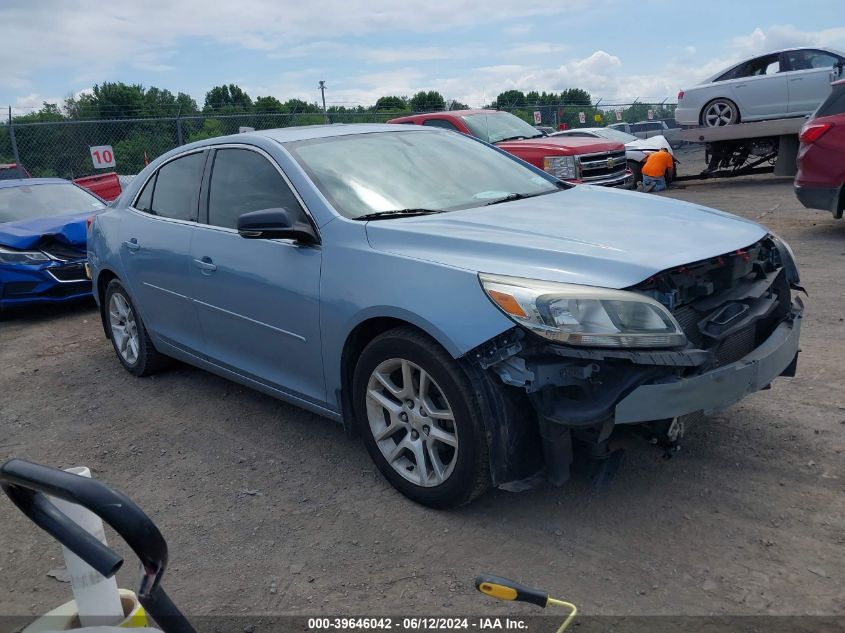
(205, 264)
(132, 245)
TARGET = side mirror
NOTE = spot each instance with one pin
(275, 224)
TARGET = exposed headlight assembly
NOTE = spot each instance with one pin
(562, 167)
(11, 256)
(787, 259)
(586, 316)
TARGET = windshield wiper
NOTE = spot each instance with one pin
(383, 215)
(520, 137)
(517, 196)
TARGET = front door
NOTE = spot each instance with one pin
(809, 78)
(257, 299)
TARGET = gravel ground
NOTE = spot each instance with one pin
(269, 510)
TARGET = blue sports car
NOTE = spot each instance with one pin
(42, 240)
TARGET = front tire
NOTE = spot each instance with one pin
(719, 113)
(637, 170)
(420, 420)
(128, 334)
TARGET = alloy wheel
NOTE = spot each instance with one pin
(124, 328)
(412, 422)
(719, 114)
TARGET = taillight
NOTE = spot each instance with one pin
(812, 132)
(88, 222)
(680, 95)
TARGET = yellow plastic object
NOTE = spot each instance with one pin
(504, 589)
(65, 617)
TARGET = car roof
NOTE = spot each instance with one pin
(825, 49)
(28, 182)
(304, 133)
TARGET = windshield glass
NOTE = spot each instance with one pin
(616, 135)
(41, 201)
(362, 174)
(498, 126)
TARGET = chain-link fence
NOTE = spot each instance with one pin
(61, 148)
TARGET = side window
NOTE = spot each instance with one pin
(145, 200)
(443, 123)
(177, 188)
(810, 59)
(766, 65)
(244, 181)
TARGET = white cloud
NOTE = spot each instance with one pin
(94, 37)
(775, 38)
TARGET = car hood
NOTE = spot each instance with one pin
(585, 235)
(561, 145)
(654, 142)
(66, 229)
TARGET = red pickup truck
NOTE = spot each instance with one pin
(590, 161)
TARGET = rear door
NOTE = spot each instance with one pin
(257, 299)
(155, 251)
(810, 74)
(759, 88)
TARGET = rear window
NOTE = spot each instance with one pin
(835, 102)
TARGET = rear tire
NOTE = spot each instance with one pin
(419, 419)
(719, 113)
(129, 336)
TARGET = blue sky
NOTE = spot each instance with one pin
(467, 49)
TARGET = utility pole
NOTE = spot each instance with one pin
(323, 92)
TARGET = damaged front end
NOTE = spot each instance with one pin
(740, 328)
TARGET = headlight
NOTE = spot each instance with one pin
(584, 315)
(10, 256)
(562, 167)
(787, 259)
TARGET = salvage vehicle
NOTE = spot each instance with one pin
(42, 241)
(472, 317)
(820, 182)
(787, 83)
(636, 149)
(594, 162)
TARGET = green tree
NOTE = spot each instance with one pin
(227, 98)
(391, 103)
(510, 99)
(430, 101)
(269, 105)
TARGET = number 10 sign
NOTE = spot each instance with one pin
(102, 156)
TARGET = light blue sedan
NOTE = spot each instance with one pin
(475, 320)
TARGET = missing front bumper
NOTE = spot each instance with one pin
(718, 388)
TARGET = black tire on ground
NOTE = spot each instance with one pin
(636, 169)
(719, 112)
(149, 360)
(470, 476)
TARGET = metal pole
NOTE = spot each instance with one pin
(179, 126)
(323, 92)
(15, 146)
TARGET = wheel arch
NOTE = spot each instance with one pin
(104, 278)
(510, 424)
(356, 340)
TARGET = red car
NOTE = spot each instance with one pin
(820, 183)
(591, 161)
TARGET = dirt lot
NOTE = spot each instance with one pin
(269, 509)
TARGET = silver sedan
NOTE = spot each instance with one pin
(785, 83)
